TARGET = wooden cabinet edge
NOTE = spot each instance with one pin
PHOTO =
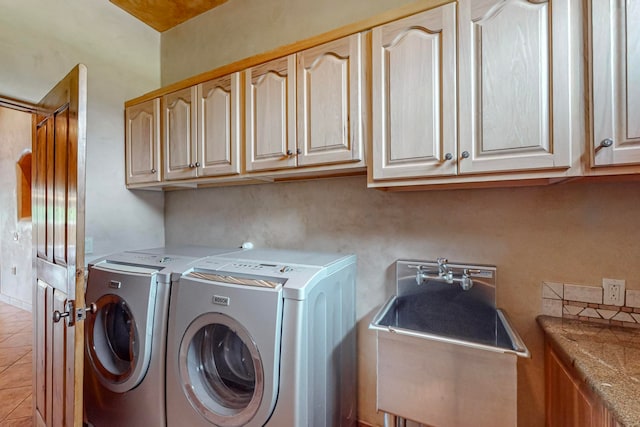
(302, 174)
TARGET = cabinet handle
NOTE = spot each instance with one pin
(465, 154)
(191, 165)
(153, 170)
(605, 143)
(298, 151)
(448, 156)
(289, 153)
(197, 164)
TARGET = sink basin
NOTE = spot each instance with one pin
(447, 356)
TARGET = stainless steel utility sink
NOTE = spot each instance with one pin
(446, 355)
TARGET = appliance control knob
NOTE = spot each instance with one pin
(285, 269)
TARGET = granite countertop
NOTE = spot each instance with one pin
(608, 358)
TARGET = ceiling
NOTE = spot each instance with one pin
(165, 14)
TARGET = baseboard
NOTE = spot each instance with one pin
(15, 302)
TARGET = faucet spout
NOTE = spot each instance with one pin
(444, 271)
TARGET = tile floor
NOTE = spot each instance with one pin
(15, 366)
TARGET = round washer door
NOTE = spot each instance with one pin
(114, 345)
(221, 370)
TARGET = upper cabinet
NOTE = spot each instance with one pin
(516, 78)
(179, 133)
(330, 103)
(515, 111)
(142, 142)
(201, 134)
(306, 109)
(615, 82)
(472, 91)
(270, 100)
(219, 121)
(414, 96)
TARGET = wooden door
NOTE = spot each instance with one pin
(615, 68)
(179, 134)
(331, 102)
(271, 115)
(142, 142)
(59, 136)
(516, 74)
(414, 96)
(219, 133)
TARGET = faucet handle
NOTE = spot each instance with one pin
(441, 261)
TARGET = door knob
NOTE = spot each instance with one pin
(81, 313)
(57, 316)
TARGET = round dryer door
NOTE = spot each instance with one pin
(221, 370)
(113, 342)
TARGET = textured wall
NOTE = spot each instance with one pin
(40, 42)
(240, 29)
(574, 233)
(15, 140)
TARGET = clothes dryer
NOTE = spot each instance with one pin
(264, 338)
(125, 340)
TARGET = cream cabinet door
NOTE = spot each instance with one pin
(615, 68)
(179, 134)
(515, 80)
(142, 142)
(414, 95)
(270, 117)
(330, 102)
(219, 126)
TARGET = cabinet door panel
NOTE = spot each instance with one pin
(507, 49)
(567, 399)
(143, 142)
(271, 115)
(414, 91)
(330, 102)
(615, 61)
(179, 127)
(218, 126)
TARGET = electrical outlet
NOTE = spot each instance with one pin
(613, 291)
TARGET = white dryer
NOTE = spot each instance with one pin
(125, 340)
(263, 339)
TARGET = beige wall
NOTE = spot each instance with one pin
(574, 233)
(242, 28)
(40, 42)
(15, 140)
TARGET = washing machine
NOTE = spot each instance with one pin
(125, 340)
(264, 338)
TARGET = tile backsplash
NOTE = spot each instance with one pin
(585, 303)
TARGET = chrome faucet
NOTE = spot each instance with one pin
(446, 273)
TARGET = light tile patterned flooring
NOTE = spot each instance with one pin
(15, 367)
